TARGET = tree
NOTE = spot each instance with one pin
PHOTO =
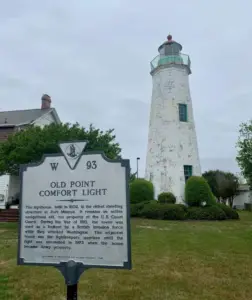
(133, 176)
(230, 188)
(244, 145)
(224, 185)
(211, 178)
(29, 145)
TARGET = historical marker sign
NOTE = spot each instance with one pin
(75, 207)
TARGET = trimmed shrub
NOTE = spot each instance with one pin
(152, 202)
(230, 212)
(184, 207)
(153, 210)
(166, 197)
(141, 190)
(163, 212)
(136, 209)
(206, 213)
(175, 212)
(197, 192)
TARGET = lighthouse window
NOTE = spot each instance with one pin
(187, 172)
(182, 112)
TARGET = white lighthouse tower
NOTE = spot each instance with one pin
(172, 155)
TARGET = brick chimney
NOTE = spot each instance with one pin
(45, 101)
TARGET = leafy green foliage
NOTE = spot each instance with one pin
(206, 213)
(184, 207)
(230, 213)
(132, 176)
(224, 185)
(29, 145)
(244, 145)
(141, 190)
(136, 209)
(166, 197)
(211, 177)
(163, 212)
(197, 192)
(231, 188)
(155, 210)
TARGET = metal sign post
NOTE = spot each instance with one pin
(72, 292)
(75, 213)
(71, 272)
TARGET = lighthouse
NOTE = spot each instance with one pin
(172, 153)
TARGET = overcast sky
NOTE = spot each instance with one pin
(93, 58)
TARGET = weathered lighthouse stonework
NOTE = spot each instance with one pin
(172, 155)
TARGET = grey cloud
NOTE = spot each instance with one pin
(222, 163)
(93, 59)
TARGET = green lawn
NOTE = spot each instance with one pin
(171, 260)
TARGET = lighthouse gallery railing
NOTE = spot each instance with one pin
(181, 59)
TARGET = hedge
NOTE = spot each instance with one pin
(230, 212)
(167, 197)
(135, 209)
(206, 213)
(155, 210)
(198, 191)
(163, 212)
(141, 190)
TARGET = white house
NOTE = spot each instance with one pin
(12, 121)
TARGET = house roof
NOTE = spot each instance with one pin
(19, 117)
(243, 187)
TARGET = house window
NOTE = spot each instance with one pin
(182, 112)
(187, 172)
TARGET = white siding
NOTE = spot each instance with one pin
(45, 120)
(4, 181)
(242, 198)
(14, 186)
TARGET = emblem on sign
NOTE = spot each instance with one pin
(72, 152)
